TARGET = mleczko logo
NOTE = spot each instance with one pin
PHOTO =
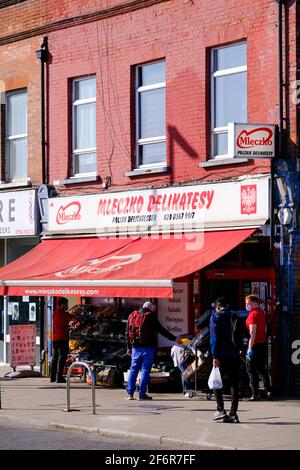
(99, 265)
(260, 136)
(68, 213)
(248, 199)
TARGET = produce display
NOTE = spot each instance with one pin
(98, 337)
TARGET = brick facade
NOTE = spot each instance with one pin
(112, 47)
(88, 37)
(85, 38)
(21, 69)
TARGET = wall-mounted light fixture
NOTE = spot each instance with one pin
(107, 182)
(282, 188)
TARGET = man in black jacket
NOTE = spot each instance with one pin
(142, 327)
(225, 356)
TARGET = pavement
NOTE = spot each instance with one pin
(168, 420)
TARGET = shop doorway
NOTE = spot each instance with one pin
(222, 288)
(235, 285)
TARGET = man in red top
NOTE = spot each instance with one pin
(257, 347)
(61, 319)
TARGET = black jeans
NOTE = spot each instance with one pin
(59, 357)
(230, 367)
(256, 366)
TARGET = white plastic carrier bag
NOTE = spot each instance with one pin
(215, 379)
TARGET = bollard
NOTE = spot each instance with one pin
(88, 367)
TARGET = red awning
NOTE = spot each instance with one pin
(120, 267)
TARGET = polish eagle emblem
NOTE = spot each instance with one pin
(248, 199)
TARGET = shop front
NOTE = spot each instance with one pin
(180, 245)
(18, 235)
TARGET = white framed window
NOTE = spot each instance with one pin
(151, 114)
(228, 93)
(84, 126)
(16, 136)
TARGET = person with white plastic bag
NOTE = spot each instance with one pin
(225, 361)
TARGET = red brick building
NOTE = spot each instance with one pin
(20, 156)
(140, 94)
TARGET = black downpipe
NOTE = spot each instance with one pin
(42, 55)
(280, 76)
(280, 124)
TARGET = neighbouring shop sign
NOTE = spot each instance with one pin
(173, 313)
(22, 345)
(251, 140)
(18, 215)
(242, 203)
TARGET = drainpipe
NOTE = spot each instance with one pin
(42, 55)
(280, 77)
(280, 119)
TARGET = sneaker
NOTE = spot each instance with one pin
(269, 396)
(252, 398)
(129, 397)
(61, 380)
(231, 418)
(144, 397)
(219, 415)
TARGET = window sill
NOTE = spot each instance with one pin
(77, 180)
(147, 171)
(16, 184)
(225, 161)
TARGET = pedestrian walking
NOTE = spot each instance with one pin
(142, 327)
(225, 356)
(257, 348)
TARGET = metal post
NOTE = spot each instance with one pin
(50, 309)
(196, 367)
(88, 367)
(0, 398)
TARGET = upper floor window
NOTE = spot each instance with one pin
(84, 126)
(229, 93)
(151, 114)
(16, 135)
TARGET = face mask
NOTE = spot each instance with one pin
(248, 308)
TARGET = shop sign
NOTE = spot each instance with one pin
(251, 140)
(22, 345)
(173, 313)
(242, 203)
(18, 215)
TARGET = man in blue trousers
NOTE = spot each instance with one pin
(141, 336)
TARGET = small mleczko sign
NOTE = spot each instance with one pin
(251, 140)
